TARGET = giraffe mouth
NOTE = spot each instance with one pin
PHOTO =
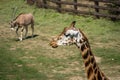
(53, 44)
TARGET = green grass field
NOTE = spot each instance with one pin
(34, 59)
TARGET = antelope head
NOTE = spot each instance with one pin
(13, 25)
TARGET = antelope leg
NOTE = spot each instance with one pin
(26, 28)
(21, 36)
(17, 31)
(32, 26)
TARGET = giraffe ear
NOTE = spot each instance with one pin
(73, 24)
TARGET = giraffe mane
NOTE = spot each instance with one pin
(85, 38)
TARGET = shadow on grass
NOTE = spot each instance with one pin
(28, 37)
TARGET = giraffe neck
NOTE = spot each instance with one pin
(91, 67)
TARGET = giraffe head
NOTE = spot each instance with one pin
(70, 35)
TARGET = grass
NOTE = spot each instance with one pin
(34, 59)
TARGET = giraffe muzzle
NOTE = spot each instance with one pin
(53, 44)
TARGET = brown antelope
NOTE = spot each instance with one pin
(22, 21)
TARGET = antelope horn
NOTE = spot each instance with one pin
(14, 12)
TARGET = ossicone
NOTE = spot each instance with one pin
(73, 24)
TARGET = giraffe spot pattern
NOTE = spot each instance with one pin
(85, 55)
(94, 65)
(95, 71)
(92, 59)
(94, 78)
(99, 76)
(82, 47)
(90, 53)
(89, 71)
(87, 63)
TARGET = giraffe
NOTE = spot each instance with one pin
(72, 35)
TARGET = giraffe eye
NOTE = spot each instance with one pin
(67, 35)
